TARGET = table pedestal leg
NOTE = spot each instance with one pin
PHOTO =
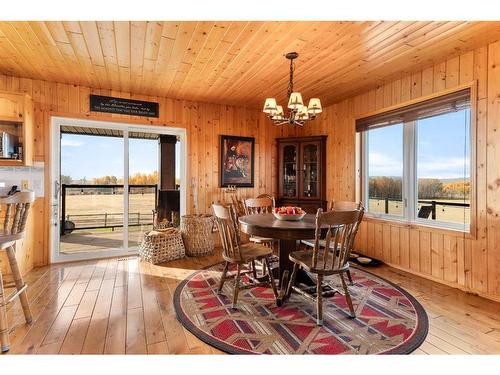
(285, 264)
(286, 267)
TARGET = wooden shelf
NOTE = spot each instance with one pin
(11, 162)
(10, 119)
(16, 116)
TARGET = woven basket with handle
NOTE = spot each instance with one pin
(197, 234)
(162, 245)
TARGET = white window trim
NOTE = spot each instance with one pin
(409, 189)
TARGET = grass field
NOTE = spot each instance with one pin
(100, 239)
(99, 204)
(443, 213)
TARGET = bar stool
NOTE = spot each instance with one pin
(14, 218)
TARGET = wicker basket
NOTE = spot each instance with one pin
(162, 225)
(197, 234)
(162, 245)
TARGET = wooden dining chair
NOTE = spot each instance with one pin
(342, 228)
(14, 213)
(258, 206)
(263, 204)
(236, 252)
(339, 206)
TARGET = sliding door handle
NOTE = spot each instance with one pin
(57, 189)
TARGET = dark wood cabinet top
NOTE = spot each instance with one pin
(301, 139)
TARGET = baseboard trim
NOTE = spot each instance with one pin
(444, 282)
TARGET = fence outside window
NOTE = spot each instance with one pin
(105, 220)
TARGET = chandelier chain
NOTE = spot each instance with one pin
(290, 82)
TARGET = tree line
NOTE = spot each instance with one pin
(428, 188)
(135, 179)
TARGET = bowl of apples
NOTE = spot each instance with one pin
(289, 213)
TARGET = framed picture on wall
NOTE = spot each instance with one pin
(237, 161)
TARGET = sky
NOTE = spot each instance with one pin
(442, 148)
(95, 156)
(440, 151)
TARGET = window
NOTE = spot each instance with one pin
(416, 162)
(443, 167)
(385, 170)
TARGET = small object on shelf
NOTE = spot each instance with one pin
(230, 189)
(289, 213)
(20, 151)
(8, 143)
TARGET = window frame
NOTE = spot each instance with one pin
(365, 182)
(410, 189)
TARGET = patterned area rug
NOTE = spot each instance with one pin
(389, 320)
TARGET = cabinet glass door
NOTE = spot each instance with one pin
(310, 170)
(289, 168)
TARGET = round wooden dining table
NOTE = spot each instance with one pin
(288, 233)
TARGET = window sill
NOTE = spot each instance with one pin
(418, 225)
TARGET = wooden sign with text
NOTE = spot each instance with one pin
(123, 106)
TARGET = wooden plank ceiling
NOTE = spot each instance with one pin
(232, 62)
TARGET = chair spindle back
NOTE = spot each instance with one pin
(342, 227)
(265, 195)
(262, 205)
(227, 224)
(17, 207)
(348, 206)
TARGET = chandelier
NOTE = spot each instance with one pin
(298, 112)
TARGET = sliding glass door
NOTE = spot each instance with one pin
(92, 193)
(107, 180)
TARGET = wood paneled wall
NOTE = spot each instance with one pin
(445, 256)
(204, 123)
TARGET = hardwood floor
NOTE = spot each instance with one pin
(123, 306)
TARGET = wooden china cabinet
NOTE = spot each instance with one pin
(302, 175)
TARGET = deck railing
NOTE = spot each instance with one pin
(431, 202)
(109, 220)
